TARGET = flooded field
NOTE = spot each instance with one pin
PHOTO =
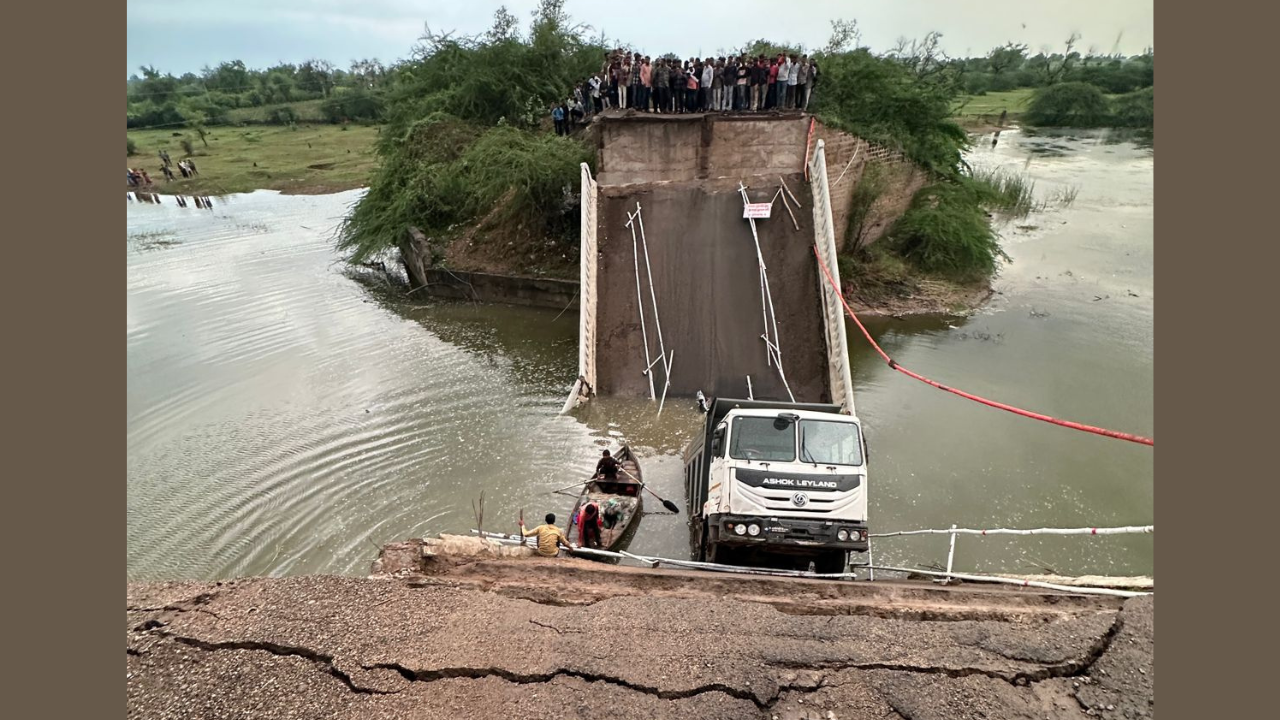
(284, 418)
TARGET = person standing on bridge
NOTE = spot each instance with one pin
(624, 80)
(729, 78)
(784, 69)
(717, 84)
(813, 82)
(661, 84)
(646, 84)
(793, 77)
(692, 80)
(550, 537)
(771, 94)
(708, 81)
(742, 96)
(633, 82)
(678, 87)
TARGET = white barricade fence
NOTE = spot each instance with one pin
(824, 237)
(585, 384)
(954, 531)
(653, 562)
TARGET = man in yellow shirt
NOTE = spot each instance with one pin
(550, 537)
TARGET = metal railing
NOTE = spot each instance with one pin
(654, 562)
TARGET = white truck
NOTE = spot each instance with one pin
(777, 484)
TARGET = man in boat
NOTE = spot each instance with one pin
(607, 473)
(550, 537)
(589, 523)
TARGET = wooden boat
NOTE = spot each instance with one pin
(620, 503)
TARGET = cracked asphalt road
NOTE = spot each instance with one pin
(569, 638)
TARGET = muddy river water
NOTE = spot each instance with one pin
(285, 418)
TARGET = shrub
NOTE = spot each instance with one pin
(282, 116)
(977, 84)
(359, 104)
(1136, 109)
(882, 100)
(132, 147)
(870, 187)
(1068, 104)
(946, 231)
(444, 173)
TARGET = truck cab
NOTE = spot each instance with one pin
(778, 485)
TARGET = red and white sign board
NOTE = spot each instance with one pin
(756, 210)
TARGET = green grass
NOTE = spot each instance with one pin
(993, 103)
(309, 159)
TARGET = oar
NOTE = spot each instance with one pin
(665, 503)
(570, 487)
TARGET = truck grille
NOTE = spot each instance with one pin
(780, 501)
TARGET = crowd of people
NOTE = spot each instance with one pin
(666, 85)
(139, 178)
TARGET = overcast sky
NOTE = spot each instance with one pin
(178, 36)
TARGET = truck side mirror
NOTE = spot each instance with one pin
(717, 441)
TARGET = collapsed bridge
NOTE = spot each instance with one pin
(680, 292)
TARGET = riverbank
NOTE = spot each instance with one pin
(303, 159)
(880, 284)
(542, 638)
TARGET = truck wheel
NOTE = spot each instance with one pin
(722, 555)
(831, 563)
(702, 542)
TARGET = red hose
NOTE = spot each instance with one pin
(992, 403)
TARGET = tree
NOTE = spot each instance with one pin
(316, 76)
(505, 26)
(768, 48)
(196, 121)
(1055, 71)
(845, 36)
(1006, 57)
(367, 73)
(229, 77)
(923, 57)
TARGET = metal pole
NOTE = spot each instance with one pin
(951, 554)
(670, 360)
(764, 279)
(764, 305)
(640, 302)
(764, 317)
(750, 392)
(644, 242)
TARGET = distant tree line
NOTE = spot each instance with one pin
(466, 141)
(160, 100)
(1011, 66)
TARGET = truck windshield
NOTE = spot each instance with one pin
(829, 443)
(759, 438)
